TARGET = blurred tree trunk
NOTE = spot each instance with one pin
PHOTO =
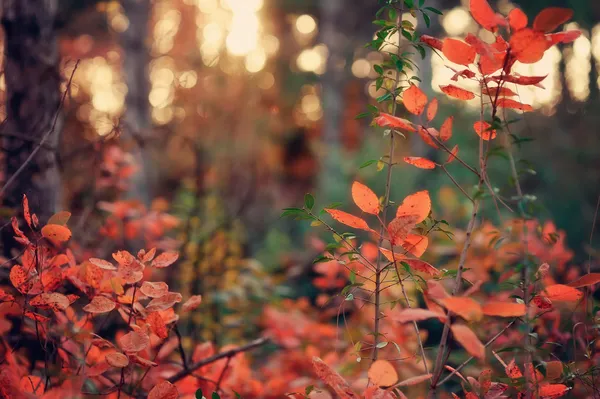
(137, 113)
(31, 67)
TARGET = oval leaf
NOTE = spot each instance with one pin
(419, 162)
(365, 198)
(414, 100)
(465, 307)
(382, 373)
(163, 390)
(468, 340)
(458, 51)
(504, 309)
(348, 219)
(457, 92)
(551, 18)
(418, 204)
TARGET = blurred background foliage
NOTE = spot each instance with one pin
(239, 107)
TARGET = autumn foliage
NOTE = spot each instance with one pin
(411, 303)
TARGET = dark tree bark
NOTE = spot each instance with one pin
(31, 67)
(137, 111)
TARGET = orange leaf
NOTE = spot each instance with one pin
(348, 219)
(458, 51)
(500, 91)
(61, 218)
(117, 359)
(102, 264)
(51, 300)
(562, 293)
(552, 391)
(542, 302)
(481, 47)
(333, 379)
(384, 120)
(554, 369)
(418, 204)
(164, 302)
(504, 309)
(517, 19)
(409, 315)
(365, 198)
(432, 109)
(157, 325)
(563, 37)
(382, 373)
(432, 41)
(165, 259)
(192, 303)
(485, 380)
(134, 341)
(416, 244)
(465, 307)
(100, 304)
(484, 15)
(446, 129)
(414, 100)
(585, 280)
(399, 228)
(453, 154)
(551, 18)
(508, 103)
(421, 266)
(391, 256)
(457, 92)
(528, 46)
(154, 290)
(26, 211)
(56, 233)
(419, 162)
(467, 338)
(428, 134)
(163, 390)
(512, 370)
(522, 80)
(20, 279)
(483, 130)
(414, 380)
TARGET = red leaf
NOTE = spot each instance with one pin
(453, 154)
(422, 266)
(414, 380)
(365, 198)
(100, 304)
(399, 228)
(419, 162)
(457, 92)
(163, 390)
(432, 109)
(117, 359)
(165, 259)
(446, 129)
(409, 315)
(418, 204)
(458, 51)
(20, 279)
(484, 15)
(154, 290)
(483, 131)
(427, 134)
(551, 18)
(512, 370)
(481, 47)
(384, 120)
(102, 264)
(563, 37)
(164, 302)
(517, 19)
(134, 341)
(585, 280)
(414, 100)
(348, 219)
(542, 302)
(522, 80)
(552, 391)
(192, 303)
(52, 300)
(333, 379)
(26, 211)
(157, 325)
(432, 41)
(508, 103)
(500, 91)
(528, 46)
(467, 338)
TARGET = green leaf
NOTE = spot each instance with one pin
(309, 201)
(407, 35)
(322, 259)
(382, 345)
(215, 396)
(362, 115)
(368, 163)
(199, 394)
(292, 212)
(309, 389)
(378, 69)
(434, 10)
(427, 20)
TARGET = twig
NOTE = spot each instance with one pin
(180, 345)
(12, 179)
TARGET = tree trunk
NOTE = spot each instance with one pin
(31, 67)
(137, 111)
